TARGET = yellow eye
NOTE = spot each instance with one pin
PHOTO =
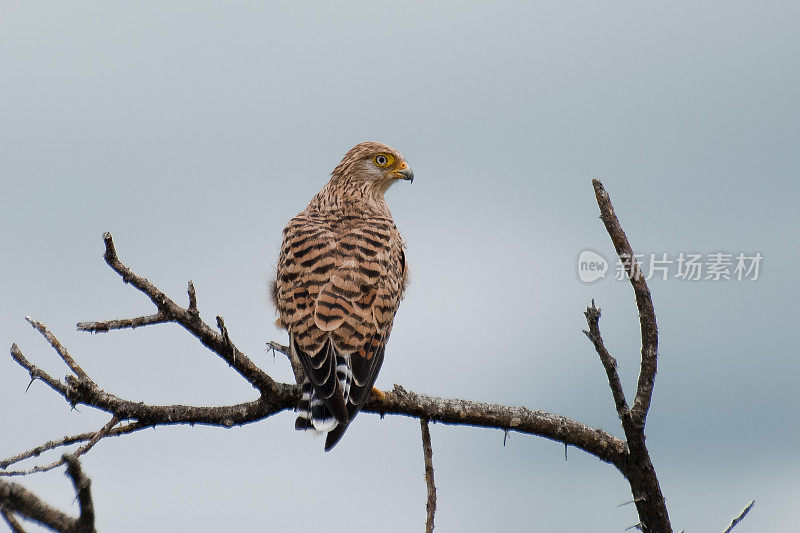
(383, 160)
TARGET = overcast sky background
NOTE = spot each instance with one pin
(193, 131)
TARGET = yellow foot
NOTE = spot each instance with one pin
(381, 396)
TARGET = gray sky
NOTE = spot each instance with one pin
(194, 130)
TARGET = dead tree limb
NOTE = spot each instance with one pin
(398, 401)
(17, 500)
(638, 468)
(630, 457)
(275, 397)
(11, 520)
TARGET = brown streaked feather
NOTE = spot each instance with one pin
(340, 278)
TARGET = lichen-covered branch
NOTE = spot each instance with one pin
(519, 419)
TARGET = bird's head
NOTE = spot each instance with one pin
(373, 164)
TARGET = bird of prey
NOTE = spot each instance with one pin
(340, 278)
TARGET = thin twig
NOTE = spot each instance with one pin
(66, 441)
(59, 348)
(97, 436)
(609, 363)
(64, 458)
(740, 517)
(427, 450)
(123, 323)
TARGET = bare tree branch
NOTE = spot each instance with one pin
(644, 302)
(55, 464)
(190, 320)
(59, 348)
(16, 499)
(609, 363)
(630, 457)
(85, 522)
(66, 441)
(399, 401)
(740, 517)
(123, 323)
(638, 468)
(276, 397)
(427, 451)
(11, 520)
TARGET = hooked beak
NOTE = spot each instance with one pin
(405, 174)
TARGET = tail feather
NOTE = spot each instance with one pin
(303, 421)
(312, 412)
(336, 386)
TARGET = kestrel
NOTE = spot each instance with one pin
(340, 278)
